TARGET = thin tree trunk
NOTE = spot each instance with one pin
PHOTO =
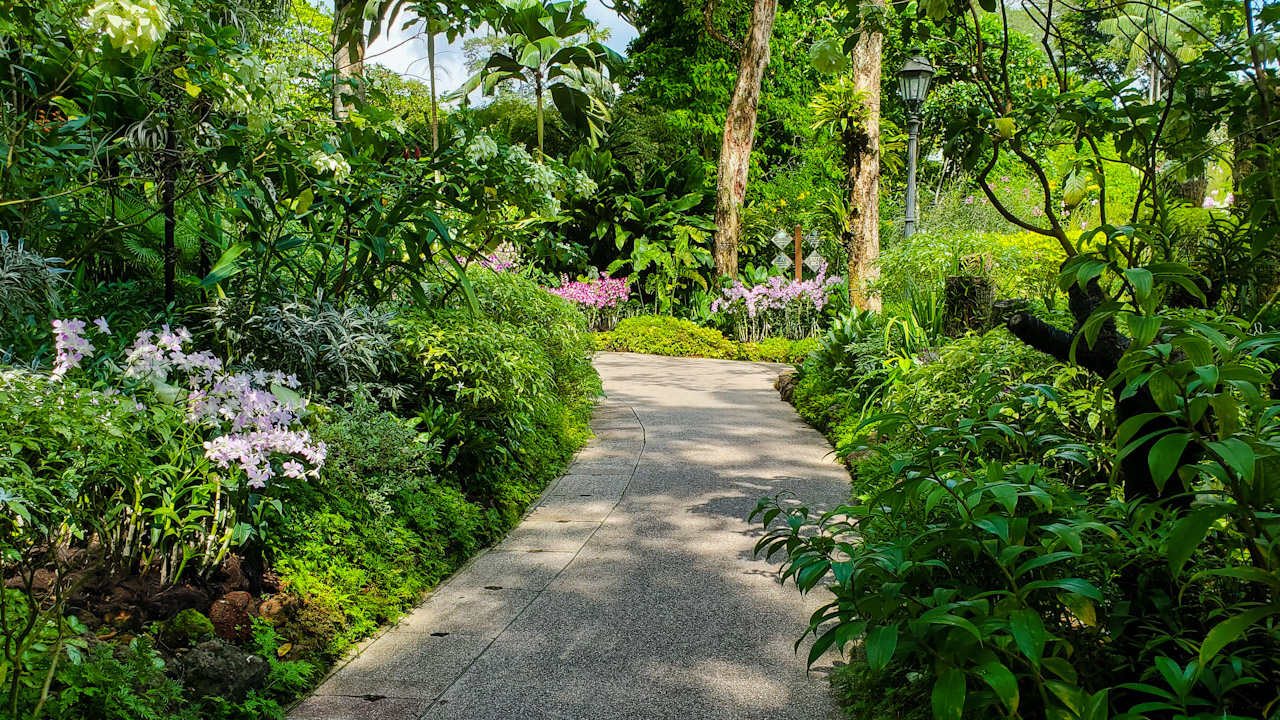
(348, 55)
(739, 136)
(537, 88)
(864, 175)
(170, 216)
(431, 68)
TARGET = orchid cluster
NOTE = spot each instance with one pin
(250, 416)
(497, 263)
(1211, 201)
(250, 413)
(778, 306)
(71, 345)
(599, 299)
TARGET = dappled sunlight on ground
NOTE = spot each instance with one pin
(632, 590)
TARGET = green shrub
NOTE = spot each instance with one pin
(552, 322)
(1021, 264)
(662, 335)
(377, 529)
(986, 552)
(677, 337)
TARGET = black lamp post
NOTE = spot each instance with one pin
(913, 80)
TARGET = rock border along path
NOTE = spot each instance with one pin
(630, 590)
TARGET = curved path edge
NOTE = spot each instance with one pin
(630, 589)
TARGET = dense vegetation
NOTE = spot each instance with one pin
(286, 336)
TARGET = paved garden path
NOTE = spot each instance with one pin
(630, 591)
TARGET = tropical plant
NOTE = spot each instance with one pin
(29, 282)
(544, 49)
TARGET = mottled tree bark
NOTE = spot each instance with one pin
(864, 175)
(739, 136)
(348, 54)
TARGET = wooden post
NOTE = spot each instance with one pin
(799, 267)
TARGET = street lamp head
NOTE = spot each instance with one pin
(913, 80)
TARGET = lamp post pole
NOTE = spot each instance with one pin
(913, 136)
(913, 82)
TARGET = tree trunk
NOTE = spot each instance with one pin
(435, 110)
(739, 136)
(170, 215)
(348, 55)
(864, 175)
(537, 90)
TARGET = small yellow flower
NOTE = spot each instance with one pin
(783, 203)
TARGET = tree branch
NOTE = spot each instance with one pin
(708, 22)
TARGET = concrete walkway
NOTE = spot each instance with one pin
(630, 591)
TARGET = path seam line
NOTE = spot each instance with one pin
(643, 442)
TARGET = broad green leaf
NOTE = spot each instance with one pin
(1027, 628)
(1141, 280)
(1073, 190)
(1003, 682)
(1188, 532)
(1165, 456)
(226, 265)
(1228, 631)
(881, 643)
(1165, 391)
(1237, 454)
(948, 694)
(828, 56)
(1142, 328)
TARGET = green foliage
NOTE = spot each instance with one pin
(659, 335)
(130, 682)
(1021, 265)
(656, 223)
(889, 693)
(983, 553)
(29, 283)
(677, 337)
(543, 50)
(185, 628)
(329, 348)
(503, 402)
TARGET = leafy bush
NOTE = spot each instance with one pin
(29, 283)
(677, 337)
(986, 552)
(661, 335)
(1021, 264)
(502, 401)
(553, 322)
(331, 349)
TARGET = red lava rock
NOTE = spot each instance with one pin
(278, 609)
(232, 615)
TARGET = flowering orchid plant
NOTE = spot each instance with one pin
(599, 299)
(185, 449)
(778, 306)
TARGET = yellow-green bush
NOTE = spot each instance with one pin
(677, 337)
(1021, 264)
